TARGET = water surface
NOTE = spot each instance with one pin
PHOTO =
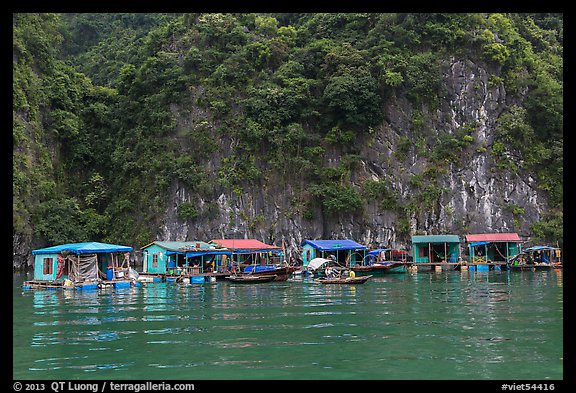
(425, 325)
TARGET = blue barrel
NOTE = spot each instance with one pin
(482, 267)
(197, 280)
(109, 274)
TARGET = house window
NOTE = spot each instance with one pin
(47, 266)
(308, 255)
(155, 260)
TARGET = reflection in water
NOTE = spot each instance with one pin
(399, 326)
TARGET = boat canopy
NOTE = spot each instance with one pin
(317, 263)
(540, 248)
(377, 251)
(259, 268)
(83, 248)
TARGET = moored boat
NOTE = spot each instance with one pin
(280, 272)
(344, 280)
(317, 265)
(537, 258)
(247, 278)
(384, 260)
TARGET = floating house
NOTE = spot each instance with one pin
(247, 252)
(435, 248)
(81, 266)
(346, 252)
(182, 259)
(537, 257)
(492, 247)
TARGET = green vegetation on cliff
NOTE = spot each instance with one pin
(111, 109)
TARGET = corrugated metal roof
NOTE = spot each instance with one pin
(83, 248)
(244, 244)
(435, 239)
(493, 237)
(180, 246)
(333, 245)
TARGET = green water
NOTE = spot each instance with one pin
(425, 325)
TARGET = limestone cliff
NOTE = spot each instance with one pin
(473, 194)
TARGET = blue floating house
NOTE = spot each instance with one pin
(189, 258)
(81, 266)
(435, 248)
(346, 252)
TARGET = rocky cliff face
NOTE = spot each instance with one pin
(470, 194)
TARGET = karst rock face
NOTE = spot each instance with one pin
(472, 191)
(470, 194)
(130, 128)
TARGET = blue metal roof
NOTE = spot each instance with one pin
(334, 245)
(83, 248)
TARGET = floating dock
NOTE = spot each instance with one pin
(62, 284)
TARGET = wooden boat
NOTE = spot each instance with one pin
(362, 269)
(281, 273)
(535, 266)
(251, 278)
(536, 258)
(384, 260)
(344, 280)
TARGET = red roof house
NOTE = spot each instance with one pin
(493, 237)
(495, 247)
(245, 245)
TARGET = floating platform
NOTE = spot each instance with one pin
(173, 278)
(478, 267)
(85, 286)
(535, 266)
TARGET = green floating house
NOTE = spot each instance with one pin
(492, 247)
(181, 258)
(435, 248)
(346, 251)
